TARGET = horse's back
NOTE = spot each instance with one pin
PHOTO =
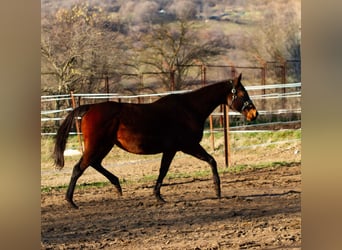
(100, 118)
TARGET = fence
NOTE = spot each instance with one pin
(291, 95)
(226, 120)
(278, 104)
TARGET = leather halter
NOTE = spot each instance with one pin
(234, 97)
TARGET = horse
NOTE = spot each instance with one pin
(170, 124)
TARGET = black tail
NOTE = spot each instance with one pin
(63, 132)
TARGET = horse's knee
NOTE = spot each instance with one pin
(212, 162)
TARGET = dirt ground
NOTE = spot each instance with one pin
(259, 209)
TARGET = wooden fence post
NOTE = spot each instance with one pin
(76, 121)
(212, 138)
(203, 74)
(107, 86)
(172, 78)
(226, 136)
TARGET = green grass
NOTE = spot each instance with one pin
(255, 138)
(237, 140)
(173, 176)
(79, 186)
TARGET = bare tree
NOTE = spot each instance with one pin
(77, 49)
(170, 47)
(278, 33)
(63, 42)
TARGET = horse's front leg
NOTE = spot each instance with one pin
(164, 167)
(216, 178)
(199, 152)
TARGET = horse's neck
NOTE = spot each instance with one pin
(206, 99)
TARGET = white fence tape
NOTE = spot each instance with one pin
(274, 86)
(116, 95)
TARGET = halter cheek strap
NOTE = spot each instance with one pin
(234, 96)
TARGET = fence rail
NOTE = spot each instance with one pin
(56, 115)
(46, 98)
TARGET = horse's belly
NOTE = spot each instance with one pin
(138, 143)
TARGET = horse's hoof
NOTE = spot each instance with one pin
(119, 192)
(160, 200)
(72, 204)
(218, 193)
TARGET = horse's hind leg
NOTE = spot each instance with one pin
(199, 152)
(76, 173)
(112, 178)
(164, 167)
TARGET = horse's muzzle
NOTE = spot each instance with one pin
(251, 115)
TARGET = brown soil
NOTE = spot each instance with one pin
(259, 209)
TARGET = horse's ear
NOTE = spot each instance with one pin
(239, 78)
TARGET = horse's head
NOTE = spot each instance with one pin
(238, 100)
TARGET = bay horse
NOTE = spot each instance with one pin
(172, 123)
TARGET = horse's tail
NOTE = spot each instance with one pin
(63, 132)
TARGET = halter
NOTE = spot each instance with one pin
(234, 96)
(245, 104)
